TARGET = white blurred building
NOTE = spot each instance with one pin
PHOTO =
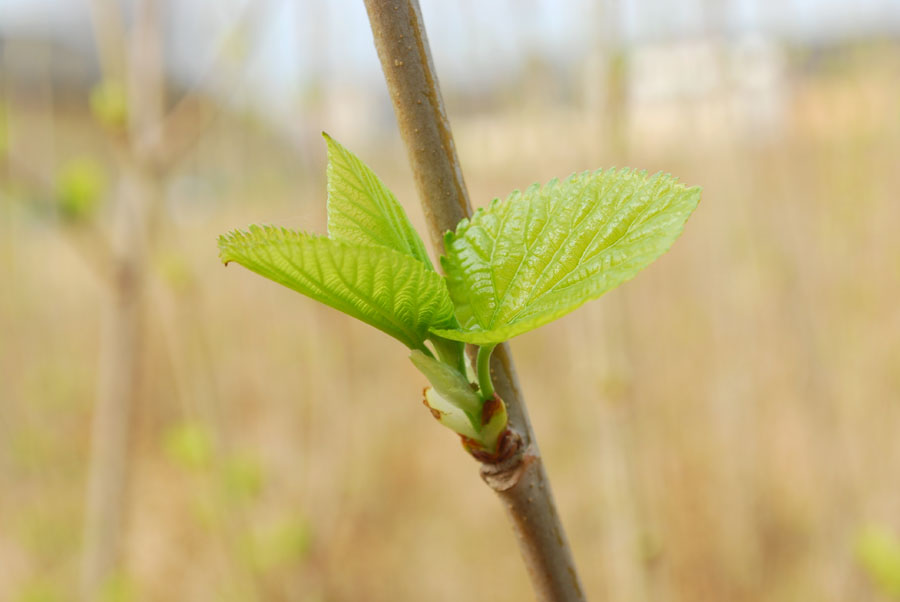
(706, 89)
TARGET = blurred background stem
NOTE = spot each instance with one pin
(121, 330)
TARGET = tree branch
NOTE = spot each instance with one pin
(520, 481)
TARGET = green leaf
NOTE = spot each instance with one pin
(377, 285)
(521, 263)
(362, 211)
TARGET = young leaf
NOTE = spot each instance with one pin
(449, 414)
(450, 383)
(362, 211)
(456, 405)
(377, 285)
(526, 261)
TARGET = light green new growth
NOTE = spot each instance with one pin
(450, 398)
(456, 405)
(362, 211)
(521, 263)
(450, 383)
(514, 266)
(386, 289)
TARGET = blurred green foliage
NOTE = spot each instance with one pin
(119, 588)
(878, 551)
(242, 478)
(109, 103)
(39, 591)
(189, 445)
(48, 533)
(80, 185)
(30, 449)
(279, 545)
(175, 271)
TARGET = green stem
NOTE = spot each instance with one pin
(424, 349)
(483, 365)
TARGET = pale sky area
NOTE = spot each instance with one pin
(473, 41)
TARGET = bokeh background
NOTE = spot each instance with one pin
(724, 427)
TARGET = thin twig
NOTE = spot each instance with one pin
(521, 481)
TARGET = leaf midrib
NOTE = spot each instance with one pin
(376, 193)
(597, 206)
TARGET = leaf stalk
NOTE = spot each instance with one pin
(483, 366)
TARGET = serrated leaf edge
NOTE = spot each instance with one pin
(267, 235)
(510, 329)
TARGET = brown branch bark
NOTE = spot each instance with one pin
(521, 481)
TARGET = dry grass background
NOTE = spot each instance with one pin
(720, 428)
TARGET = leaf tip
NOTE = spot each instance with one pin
(334, 147)
(691, 195)
(330, 142)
